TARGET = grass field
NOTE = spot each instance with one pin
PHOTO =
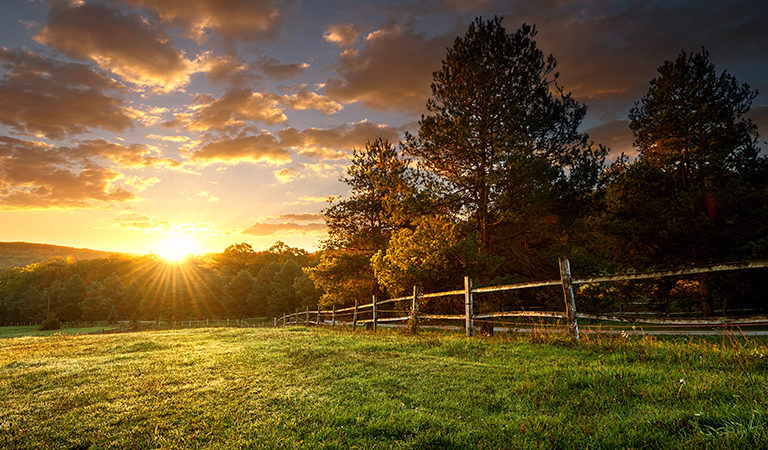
(293, 387)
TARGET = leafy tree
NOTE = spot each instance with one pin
(236, 293)
(263, 288)
(502, 135)
(435, 256)
(383, 199)
(235, 258)
(696, 193)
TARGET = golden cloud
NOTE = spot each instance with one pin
(34, 175)
(262, 148)
(245, 20)
(40, 96)
(304, 100)
(125, 44)
(343, 35)
(303, 217)
(285, 175)
(230, 111)
(134, 155)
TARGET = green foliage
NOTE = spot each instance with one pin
(435, 255)
(51, 323)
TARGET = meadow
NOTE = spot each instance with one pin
(322, 388)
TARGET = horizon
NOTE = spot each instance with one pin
(214, 127)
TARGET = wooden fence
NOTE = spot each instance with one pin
(412, 315)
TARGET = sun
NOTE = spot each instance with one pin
(177, 248)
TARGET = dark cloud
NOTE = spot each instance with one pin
(615, 135)
(392, 70)
(270, 229)
(40, 96)
(35, 175)
(125, 44)
(277, 70)
(235, 20)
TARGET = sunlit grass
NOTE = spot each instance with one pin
(319, 388)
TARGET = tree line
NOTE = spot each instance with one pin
(236, 283)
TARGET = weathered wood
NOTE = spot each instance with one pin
(354, 317)
(442, 294)
(570, 300)
(333, 316)
(373, 304)
(511, 287)
(306, 318)
(414, 320)
(681, 321)
(757, 264)
(494, 315)
(468, 307)
(386, 320)
(442, 316)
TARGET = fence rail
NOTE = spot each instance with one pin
(569, 312)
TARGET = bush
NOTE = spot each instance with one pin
(50, 324)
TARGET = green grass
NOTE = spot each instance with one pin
(20, 331)
(297, 386)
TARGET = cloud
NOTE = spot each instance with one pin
(271, 229)
(336, 142)
(392, 71)
(304, 100)
(133, 155)
(140, 222)
(125, 44)
(343, 35)
(616, 135)
(177, 139)
(311, 200)
(232, 20)
(36, 175)
(230, 111)
(303, 217)
(275, 69)
(40, 96)
(262, 148)
(286, 175)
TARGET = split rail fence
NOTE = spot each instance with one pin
(352, 315)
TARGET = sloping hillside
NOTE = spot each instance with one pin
(13, 254)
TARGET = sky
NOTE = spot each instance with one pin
(126, 124)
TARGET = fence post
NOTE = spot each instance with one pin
(333, 316)
(317, 319)
(274, 322)
(469, 322)
(354, 317)
(373, 326)
(570, 300)
(415, 310)
(306, 319)
(296, 316)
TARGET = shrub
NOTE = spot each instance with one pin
(51, 323)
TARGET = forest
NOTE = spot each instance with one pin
(497, 183)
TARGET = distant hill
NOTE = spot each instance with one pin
(20, 254)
